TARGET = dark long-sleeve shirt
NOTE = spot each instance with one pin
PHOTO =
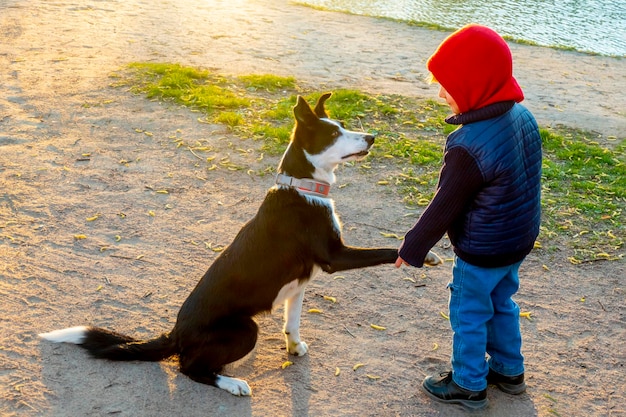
(459, 180)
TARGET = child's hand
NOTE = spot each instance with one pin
(401, 261)
(432, 259)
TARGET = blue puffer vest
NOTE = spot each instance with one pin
(504, 217)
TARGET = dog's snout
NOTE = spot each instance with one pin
(370, 139)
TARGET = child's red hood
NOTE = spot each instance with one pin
(475, 66)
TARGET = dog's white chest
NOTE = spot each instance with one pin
(288, 291)
(293, 288)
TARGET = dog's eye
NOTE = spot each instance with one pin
(335, 134)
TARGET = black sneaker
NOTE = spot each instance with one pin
(513, 385)
(445, 390)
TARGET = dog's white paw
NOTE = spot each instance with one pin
(432, 259)
(235, 386)
(297, 348)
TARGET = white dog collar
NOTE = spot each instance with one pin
(305, 185)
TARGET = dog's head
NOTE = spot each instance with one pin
(326, 142)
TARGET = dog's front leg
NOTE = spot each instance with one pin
(351, 257)
(293, 311)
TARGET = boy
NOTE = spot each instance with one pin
(488, 201)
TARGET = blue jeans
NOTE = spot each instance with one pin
(484, 319)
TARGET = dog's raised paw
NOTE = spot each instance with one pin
(235, 386)
(298, 348)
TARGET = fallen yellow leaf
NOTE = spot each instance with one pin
(573, 260)
(357, 366)
(217, 248)
(526, 314)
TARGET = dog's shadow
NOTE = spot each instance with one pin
(266, 368)
(86, 386)
(80, 385)
(298, 378)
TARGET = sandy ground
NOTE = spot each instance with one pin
(72, 148)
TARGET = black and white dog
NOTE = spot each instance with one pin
(293, 236)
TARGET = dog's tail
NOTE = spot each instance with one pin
(104, 344)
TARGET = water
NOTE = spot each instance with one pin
(597, 26)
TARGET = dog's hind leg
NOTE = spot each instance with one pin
(203, 357)
(293, 311)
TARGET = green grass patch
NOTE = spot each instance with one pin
(191, 87)
(584, 182)
(268, 82)
(229, 118)
(584, 192)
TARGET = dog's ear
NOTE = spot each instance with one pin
(319, 107)
(303, 113)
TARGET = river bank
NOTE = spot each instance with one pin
(593, 26)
